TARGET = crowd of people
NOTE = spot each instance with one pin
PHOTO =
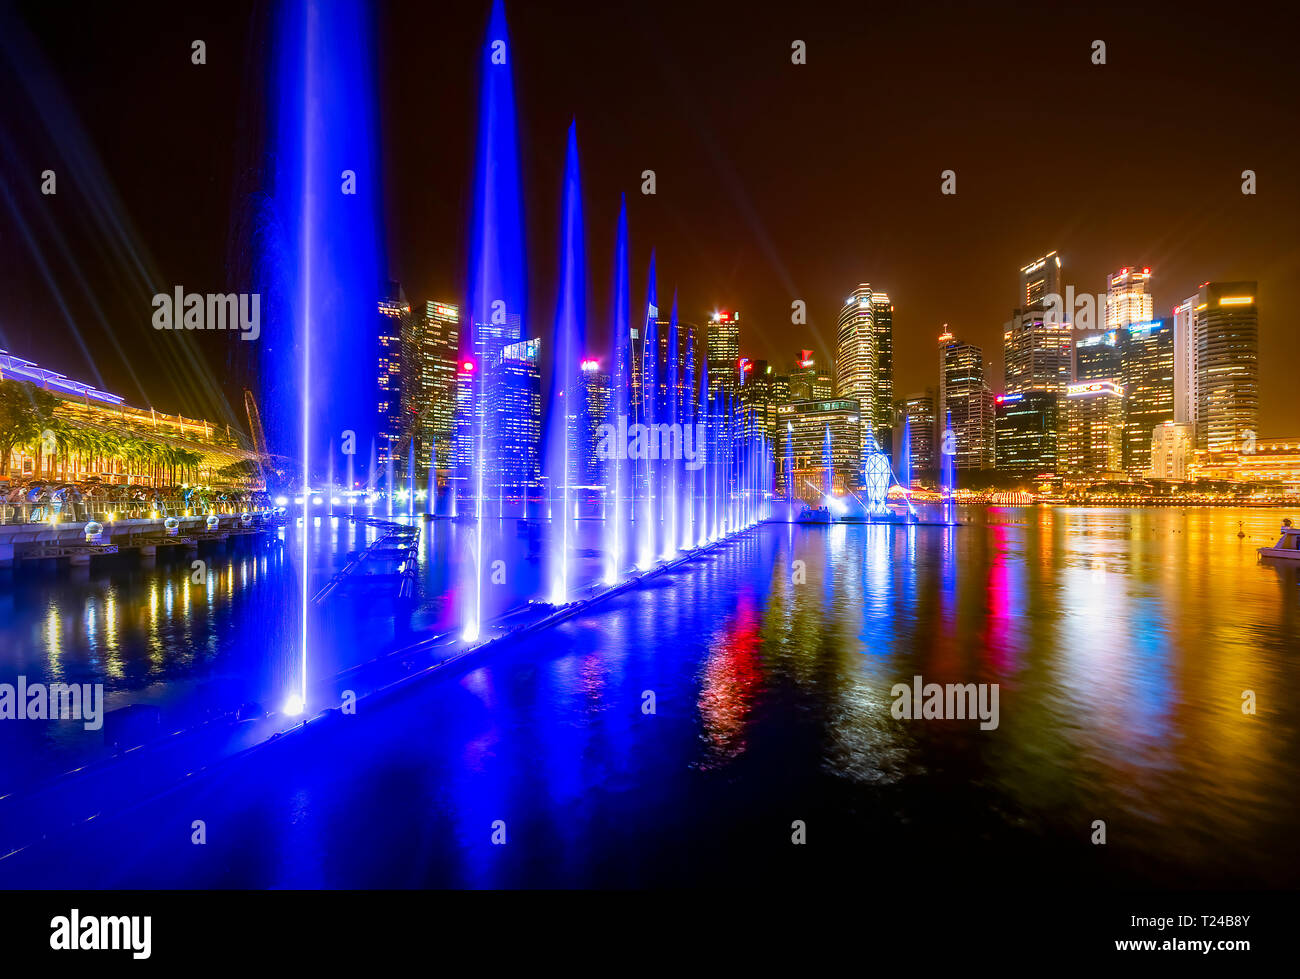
(38, 500)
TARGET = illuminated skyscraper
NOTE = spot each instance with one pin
(394, 317)
(762, 392)
(964, 392)
(882, 314)
(864, 367)
(1038, 280)
(1097, 357)
(590, 411)
(1227, 365)
(1027, 424)
(1128, 297)
(1036, 352)
(1147, 373)
(1185, 405)
(723, 351)
(919, 412)
(514, 421)
(804, 424)
(429, 374)
(809, 381)
(1092, 439)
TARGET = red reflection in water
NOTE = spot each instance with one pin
(999, 601)
(731, 678)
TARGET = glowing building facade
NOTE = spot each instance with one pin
(864, 359)
(809, 381)
(1092, 438)
(1227, 365)
(1128, 297)
(1040, 279)
(1147, 373)
(804, 424)
(390, 379)
(723, 351)
(918, 411)
(964, 392)
(1027, 432)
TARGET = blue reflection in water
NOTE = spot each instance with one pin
(1112, 701)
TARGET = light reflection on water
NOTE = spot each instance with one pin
(1121, 641)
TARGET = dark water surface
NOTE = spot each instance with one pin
(1121, 641)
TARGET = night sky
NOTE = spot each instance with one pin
(775, 181)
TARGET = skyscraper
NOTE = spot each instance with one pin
(918, 411)
(1147, 373)
(590, 410)
(1227, 365)
(964, 392)
(1128, 297)
(1036, 352)
(1027, 427)
(805, 424)
(1185, 405)
(1092, 439)
(882, 315)
(429, 375)
(394, 316)
(513, 405)
(809, 381)
(1097, 357)
(723, 351)
(1039, 279)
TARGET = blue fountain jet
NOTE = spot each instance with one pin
(320, 263)
(647, 516)
(619, 403)
(570, 324)
(497, 291)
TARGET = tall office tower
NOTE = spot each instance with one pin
(1097, 357)
(1036, 352)
(857, 360)
(804, 424)
(394, 314)
(513, 405)
(1147, 373)
(919, 414)
(882, 315)
(1092, 439)
(1128, 297)
(590, 410)
(440, 347)
(685, 333)
(1173, 446)
(1027, 424)
(809, 381)
(1227, 365)
(1040, 279)
(1185, 406)
(762, 392)
(429, 350)
(964, 392)
(723, 351)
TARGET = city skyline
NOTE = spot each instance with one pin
(724, 237)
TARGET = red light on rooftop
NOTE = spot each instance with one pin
(468, 367)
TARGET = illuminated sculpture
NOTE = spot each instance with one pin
(876, 475)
